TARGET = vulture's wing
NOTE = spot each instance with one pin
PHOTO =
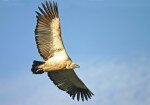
(48, 32)
(68, 81)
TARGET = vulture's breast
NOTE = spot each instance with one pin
(57, 62)
(58, 58)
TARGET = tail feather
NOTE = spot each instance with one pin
(35, 67)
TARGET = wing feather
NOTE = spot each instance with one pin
(68, 81)
(48, 33)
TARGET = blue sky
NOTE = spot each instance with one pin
(110, 39)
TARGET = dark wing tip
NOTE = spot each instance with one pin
(50, 9)
(83, 94)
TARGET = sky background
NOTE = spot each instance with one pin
(110, 39)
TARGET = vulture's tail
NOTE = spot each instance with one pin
(35, 67)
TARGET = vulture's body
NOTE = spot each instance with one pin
(57, 63)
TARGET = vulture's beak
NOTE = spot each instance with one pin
(77, 66)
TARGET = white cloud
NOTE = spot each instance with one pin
(118, 82)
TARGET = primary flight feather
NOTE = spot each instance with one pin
(57, 63)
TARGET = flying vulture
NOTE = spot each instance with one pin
(57, 63)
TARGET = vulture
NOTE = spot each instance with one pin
(56, 62)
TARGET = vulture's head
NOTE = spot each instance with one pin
(74, 65)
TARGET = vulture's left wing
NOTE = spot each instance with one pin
(68, 81)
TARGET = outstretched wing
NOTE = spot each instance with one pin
(48, 32)
(68, 81)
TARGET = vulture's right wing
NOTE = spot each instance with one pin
(48, 32)
(68, 81)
